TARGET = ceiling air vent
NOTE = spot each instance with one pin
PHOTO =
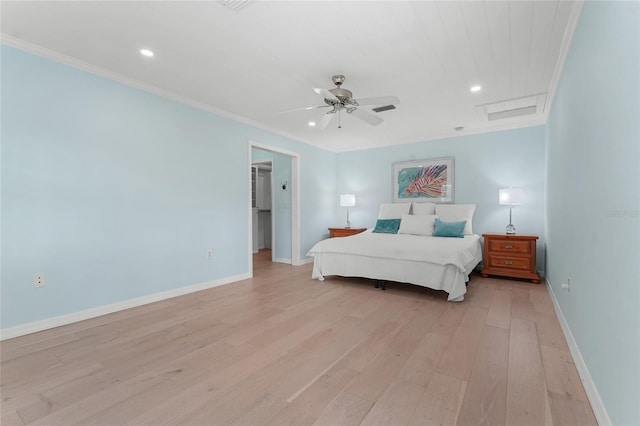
(508, 113)
(236, 5)
(384, 108)
(529, 105)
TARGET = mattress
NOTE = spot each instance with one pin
(434, 262)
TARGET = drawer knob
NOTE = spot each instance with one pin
(507, 246)
(508, 262)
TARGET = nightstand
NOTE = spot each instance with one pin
(344, 232)
(510, 255)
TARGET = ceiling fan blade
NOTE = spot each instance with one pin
(326, 119)
(327, 94)
(366, 116)
(381, 100)
(304, 109)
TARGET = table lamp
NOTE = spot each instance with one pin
(510, 197)
(347, 200)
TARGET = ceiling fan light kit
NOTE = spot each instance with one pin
(339, 99)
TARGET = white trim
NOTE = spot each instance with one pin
(250, 215)
(569, 31)
(273, 148)
(282, 260)
(33, 327)
(295, 203)
(295, 218)
(599, 409)
(273, 211)
(443, 135)
(101, 72)
(306, 260)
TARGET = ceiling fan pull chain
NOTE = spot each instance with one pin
(339, 120)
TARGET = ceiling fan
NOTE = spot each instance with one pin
(340, 99)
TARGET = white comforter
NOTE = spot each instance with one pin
(455, 256)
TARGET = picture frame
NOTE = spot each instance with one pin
(424, 181)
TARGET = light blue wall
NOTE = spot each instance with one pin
(114, 193)
(281, 200)
(593, 200)
(483, 164)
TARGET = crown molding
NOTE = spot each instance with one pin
(137, 84)
(540, 119)
(567, 38)
(537, 121)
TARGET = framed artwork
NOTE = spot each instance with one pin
(424, 181)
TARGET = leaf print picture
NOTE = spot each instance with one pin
(424, 180)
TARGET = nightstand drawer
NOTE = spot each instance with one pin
(507, 262)
(509, 246)
(344, 232)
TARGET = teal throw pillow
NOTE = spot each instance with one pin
(449, 229)
(387, 226)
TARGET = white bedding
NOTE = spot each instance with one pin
(434, 262)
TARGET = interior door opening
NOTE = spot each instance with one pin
(261, 206)
(282, 180)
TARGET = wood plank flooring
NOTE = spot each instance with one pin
(282, 349)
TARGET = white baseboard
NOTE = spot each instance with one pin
(281, 260)
(58, 321)
(599, 410)
(300, 263)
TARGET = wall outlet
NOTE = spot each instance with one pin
(210, 254)
(38, 281)
(567, 285)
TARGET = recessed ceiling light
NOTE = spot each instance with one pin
(146, 52)
(476, 88)
(312, 124)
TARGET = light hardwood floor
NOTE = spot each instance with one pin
(284, 349)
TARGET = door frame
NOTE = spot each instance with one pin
(295, 203)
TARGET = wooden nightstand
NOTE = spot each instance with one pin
(512, 255)
(344, 232)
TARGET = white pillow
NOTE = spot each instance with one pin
(457, 213)
(424, 208)
(417, 224)
(393, 210)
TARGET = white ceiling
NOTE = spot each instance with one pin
(254, 63)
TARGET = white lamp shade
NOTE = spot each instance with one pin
(347, 200)
(510, 196)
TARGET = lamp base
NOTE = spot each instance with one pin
(511, 229)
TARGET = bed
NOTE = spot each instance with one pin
(412, 255)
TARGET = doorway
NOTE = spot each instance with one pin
(262, 202)
(285, 203)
